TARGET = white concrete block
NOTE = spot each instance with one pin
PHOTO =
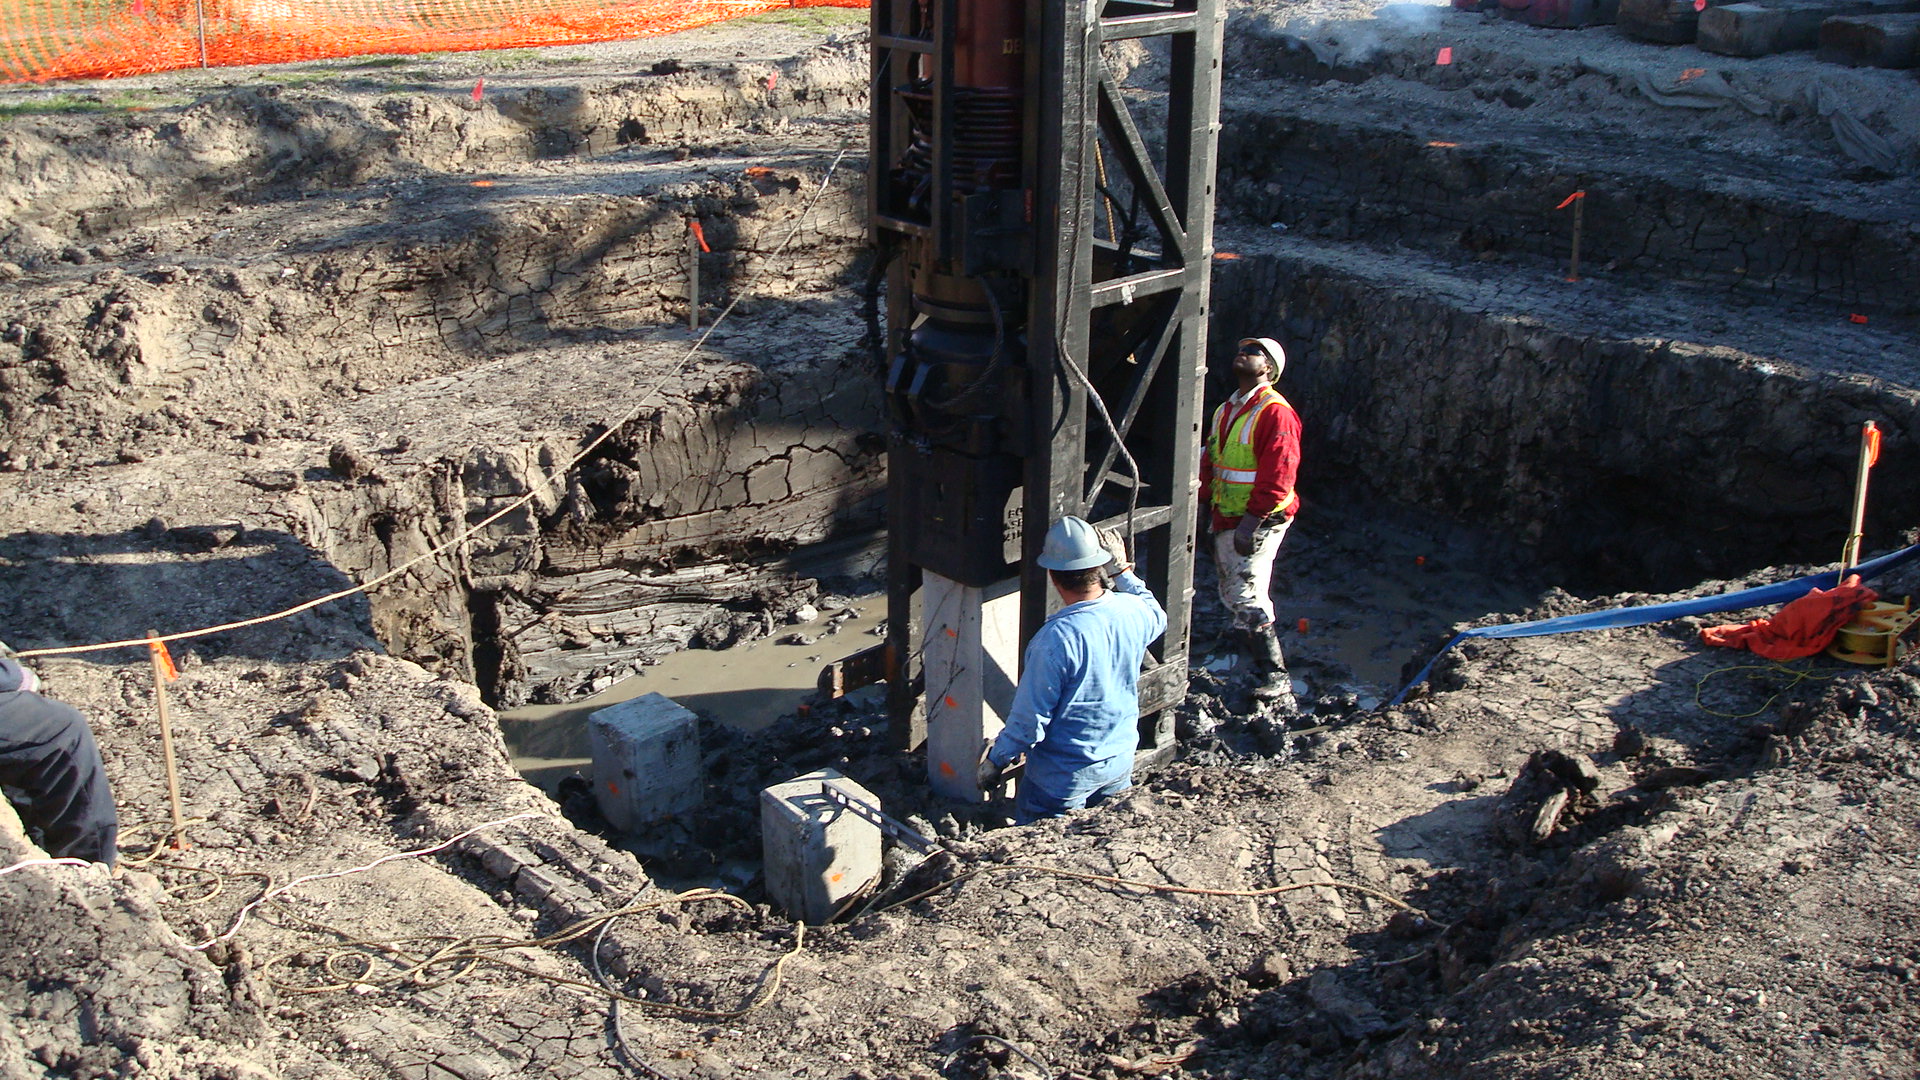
(646, 760)
(817, 853)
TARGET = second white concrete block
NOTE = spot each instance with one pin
(646, 760)
(818, 853)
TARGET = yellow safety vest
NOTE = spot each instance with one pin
(1230, 447)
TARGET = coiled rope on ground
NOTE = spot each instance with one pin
(426, 961)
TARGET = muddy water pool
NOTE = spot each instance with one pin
(748, 686)
(1357, 593)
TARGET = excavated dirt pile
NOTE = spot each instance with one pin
(271, 334)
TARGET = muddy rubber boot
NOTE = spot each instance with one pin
(1233, 641)
(1270, 669)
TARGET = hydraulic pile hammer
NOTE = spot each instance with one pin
(1045, 255)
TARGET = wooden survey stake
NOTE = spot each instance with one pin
(163, 672)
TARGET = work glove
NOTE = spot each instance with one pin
(986, 776)
(1116, 549)
(1243, 535)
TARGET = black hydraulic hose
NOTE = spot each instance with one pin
(967, 395)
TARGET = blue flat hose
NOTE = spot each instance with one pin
(1759, 596)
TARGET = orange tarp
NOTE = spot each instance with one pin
(1802, 628)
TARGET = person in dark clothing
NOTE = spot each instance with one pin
(48, 755)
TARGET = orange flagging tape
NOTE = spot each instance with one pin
(1873, 444)
(159, 650)
(699, 234)
(479, 87)
(1224, 256)
(1856, 317)
(1446, 55)
(1568, 201)
(83, 39)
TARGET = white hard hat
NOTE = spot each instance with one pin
(1276, 356)
(1072, 544)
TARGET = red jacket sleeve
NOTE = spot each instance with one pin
(1208, 515)
(1276, 447)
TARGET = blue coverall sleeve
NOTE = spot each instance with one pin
(1128, 583)
(1038, 699)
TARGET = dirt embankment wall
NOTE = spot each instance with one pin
(1687, 402)
(238, 261)
(103, 174)
(394, 313)
(1759, 227)
(1645, 463)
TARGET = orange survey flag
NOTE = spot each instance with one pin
(165, 660)
(1802, 628)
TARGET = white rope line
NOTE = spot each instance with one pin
(510, 507)
(25, 863)
(240, 916)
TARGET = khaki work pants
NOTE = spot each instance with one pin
(1246, 580)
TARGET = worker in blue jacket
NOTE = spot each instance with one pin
(47, 754)
(1076, 713)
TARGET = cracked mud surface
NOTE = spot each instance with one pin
(1688, 912)
(329, 321)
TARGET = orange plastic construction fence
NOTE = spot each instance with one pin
(73, 39)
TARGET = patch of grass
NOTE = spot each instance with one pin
(60, 104)
(810, 18)
(53, 106)
(294, 79)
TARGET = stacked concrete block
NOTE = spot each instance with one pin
(1668, 22)
(646, 760)
(1560, 14)
(1887, 41)
(1762, 27)
(818, 854)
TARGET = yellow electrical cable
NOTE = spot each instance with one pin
(1798, 676)
(470, 952)
(169, 831)
(421, 958)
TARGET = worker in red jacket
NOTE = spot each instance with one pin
(1246, 477)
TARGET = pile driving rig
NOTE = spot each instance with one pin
(1045, 238)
